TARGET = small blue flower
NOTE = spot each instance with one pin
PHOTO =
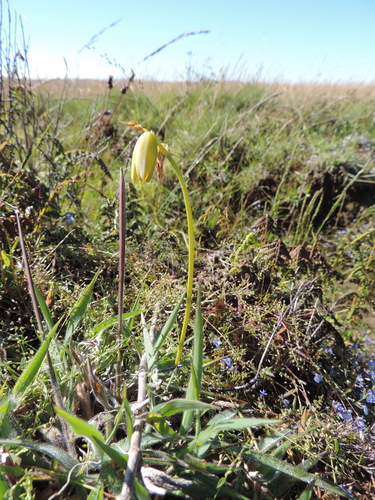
(285, 402)
(364, 409)
(69, 219)
(370, 396)
(329, 351)
(227, 362)
(343, 413)
(263, 393)
(360, 382)
(318, 377)
(359, 425)
(216, 343)
(347, 490)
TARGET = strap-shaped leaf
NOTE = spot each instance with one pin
(33, 366)
(295, 471)
(61, 456)
(79, 309)
(82, 428)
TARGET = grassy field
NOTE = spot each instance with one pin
(274, 394)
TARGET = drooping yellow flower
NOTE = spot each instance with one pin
(144, 157)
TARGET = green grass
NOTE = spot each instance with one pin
(274, 396)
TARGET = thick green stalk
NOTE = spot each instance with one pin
(190, 223)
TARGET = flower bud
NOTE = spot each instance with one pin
(144, 157)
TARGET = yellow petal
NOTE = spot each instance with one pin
(144, 157)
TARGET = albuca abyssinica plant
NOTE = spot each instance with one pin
(149, 154)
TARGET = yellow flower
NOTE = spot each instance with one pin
(144, 157)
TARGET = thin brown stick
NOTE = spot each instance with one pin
(54, 383)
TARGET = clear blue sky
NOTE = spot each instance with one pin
(305, 40)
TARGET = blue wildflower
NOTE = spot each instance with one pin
(263, 393)
(359, 425)
(286, 402)
(348, 490)
(343, 413)
(69, 219)
(216, 343)
(227, 362)
(370, 396)
(364, 409)
(318, 377)
(359, 381)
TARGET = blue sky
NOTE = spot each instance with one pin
(290, 40)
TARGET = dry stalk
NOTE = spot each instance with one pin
(134, 455)
(54, 383)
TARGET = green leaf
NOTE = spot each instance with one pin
(195, 382)
(13, 470)
(122, 461)
(148, 345)
(44, 308)
(119, 458)
(6, 258)
(178, 405)
(108, 323)
(168, 325)
(269, 442)
(29, 373)
(79, 309)
(82, 428)
(61, 456)
(128, 416)
(160, 424)
(134, 309)
(234, 424)
(9, 427)
(294, 471)
(307, 493)
(3, 486)
(97, 494)
(205, 486)
(204, 439)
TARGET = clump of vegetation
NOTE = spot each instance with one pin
(273, 393)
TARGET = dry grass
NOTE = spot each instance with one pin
(312, 92)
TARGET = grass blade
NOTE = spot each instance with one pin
(168, 325)
(295, 471)
(232, 424)
(195, 382)
(44, 308)
(61, 456)
(119, 458)
(178, 405)
(79, 309)
(33, 366)
(101, 327)
(82, 428)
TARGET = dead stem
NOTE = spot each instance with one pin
(135, 443)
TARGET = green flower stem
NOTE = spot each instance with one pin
(190, 223)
